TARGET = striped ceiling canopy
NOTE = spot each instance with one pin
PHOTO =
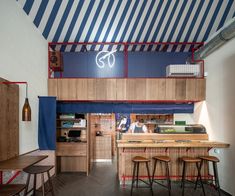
(128, 21)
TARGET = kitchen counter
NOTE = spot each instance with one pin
(171, 143)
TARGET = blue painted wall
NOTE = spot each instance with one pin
(140, 64)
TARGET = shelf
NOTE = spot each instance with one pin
(75, 128)
(68, 119)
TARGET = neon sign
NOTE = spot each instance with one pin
(105, 58)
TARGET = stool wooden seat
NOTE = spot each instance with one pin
(214, 161)
(39, 169)
(191, 160)
(140, 159)
(135, 177)
(166, 160)
(11, 189)
(209, 158)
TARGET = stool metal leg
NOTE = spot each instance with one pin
(137, 179)
(183, 178)
(34, 184)
(50, 183)
(200, 177)
(43, 186)
(168, 178)
(133, 178)
(150, 184)
(154, 169)
(216, 177)
(27, 185)
(200, 167)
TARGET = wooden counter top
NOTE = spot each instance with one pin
(170, 143)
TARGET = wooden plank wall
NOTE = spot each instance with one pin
(149, 89)
(9, 120)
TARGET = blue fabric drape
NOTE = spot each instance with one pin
(47, 123)
(86, 107)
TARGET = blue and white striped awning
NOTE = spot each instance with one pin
(128, 21)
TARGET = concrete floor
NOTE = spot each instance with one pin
(103, 181)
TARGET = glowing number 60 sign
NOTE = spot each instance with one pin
(105, 58)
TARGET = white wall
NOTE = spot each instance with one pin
(23, 57)
(217, 113)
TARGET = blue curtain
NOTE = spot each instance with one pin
(47, 123)
(141, 108)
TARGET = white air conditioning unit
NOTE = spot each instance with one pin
(183, 70)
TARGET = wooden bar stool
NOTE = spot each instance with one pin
(166, 160)
(188, 160)
(137, 160)
(39, 170)
(214, 161)
(12, 189)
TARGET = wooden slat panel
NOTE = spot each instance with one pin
(151, 89)
(136, 89)
(170, 89)
(161, 89)
(9, 120)
(81, 88)
(52, 87)
(111, 91)
(71, 149)
(91, 91)
(200, 89)
(13, 121)
(101, 89)
(121, 85)
(73, 164)
(180, 89)
(67, 89)
(190, 89)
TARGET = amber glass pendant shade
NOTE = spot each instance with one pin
(26, 111)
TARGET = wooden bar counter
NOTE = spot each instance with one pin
(172, 145)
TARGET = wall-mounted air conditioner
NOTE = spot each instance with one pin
(183, 70)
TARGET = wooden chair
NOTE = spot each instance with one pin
(34, 170)
(166, 160)
(191, 160)
(137, 160)
(12, 189)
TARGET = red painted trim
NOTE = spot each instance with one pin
(133, 101)
(167, 78)
(48, 60)
(126, 43)
(126, 61)
(13, 177)
(13, 82)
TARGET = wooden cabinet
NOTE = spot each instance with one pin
(9, 120)
(73, 153)
(128, 89)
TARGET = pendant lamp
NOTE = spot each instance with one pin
(26, 111)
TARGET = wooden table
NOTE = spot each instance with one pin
(18, 164)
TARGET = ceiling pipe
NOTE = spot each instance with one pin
(218, 39)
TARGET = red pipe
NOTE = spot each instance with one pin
(13, 177)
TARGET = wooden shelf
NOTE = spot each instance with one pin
(74, 128)
(68, 119)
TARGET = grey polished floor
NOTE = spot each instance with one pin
(103, 181)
